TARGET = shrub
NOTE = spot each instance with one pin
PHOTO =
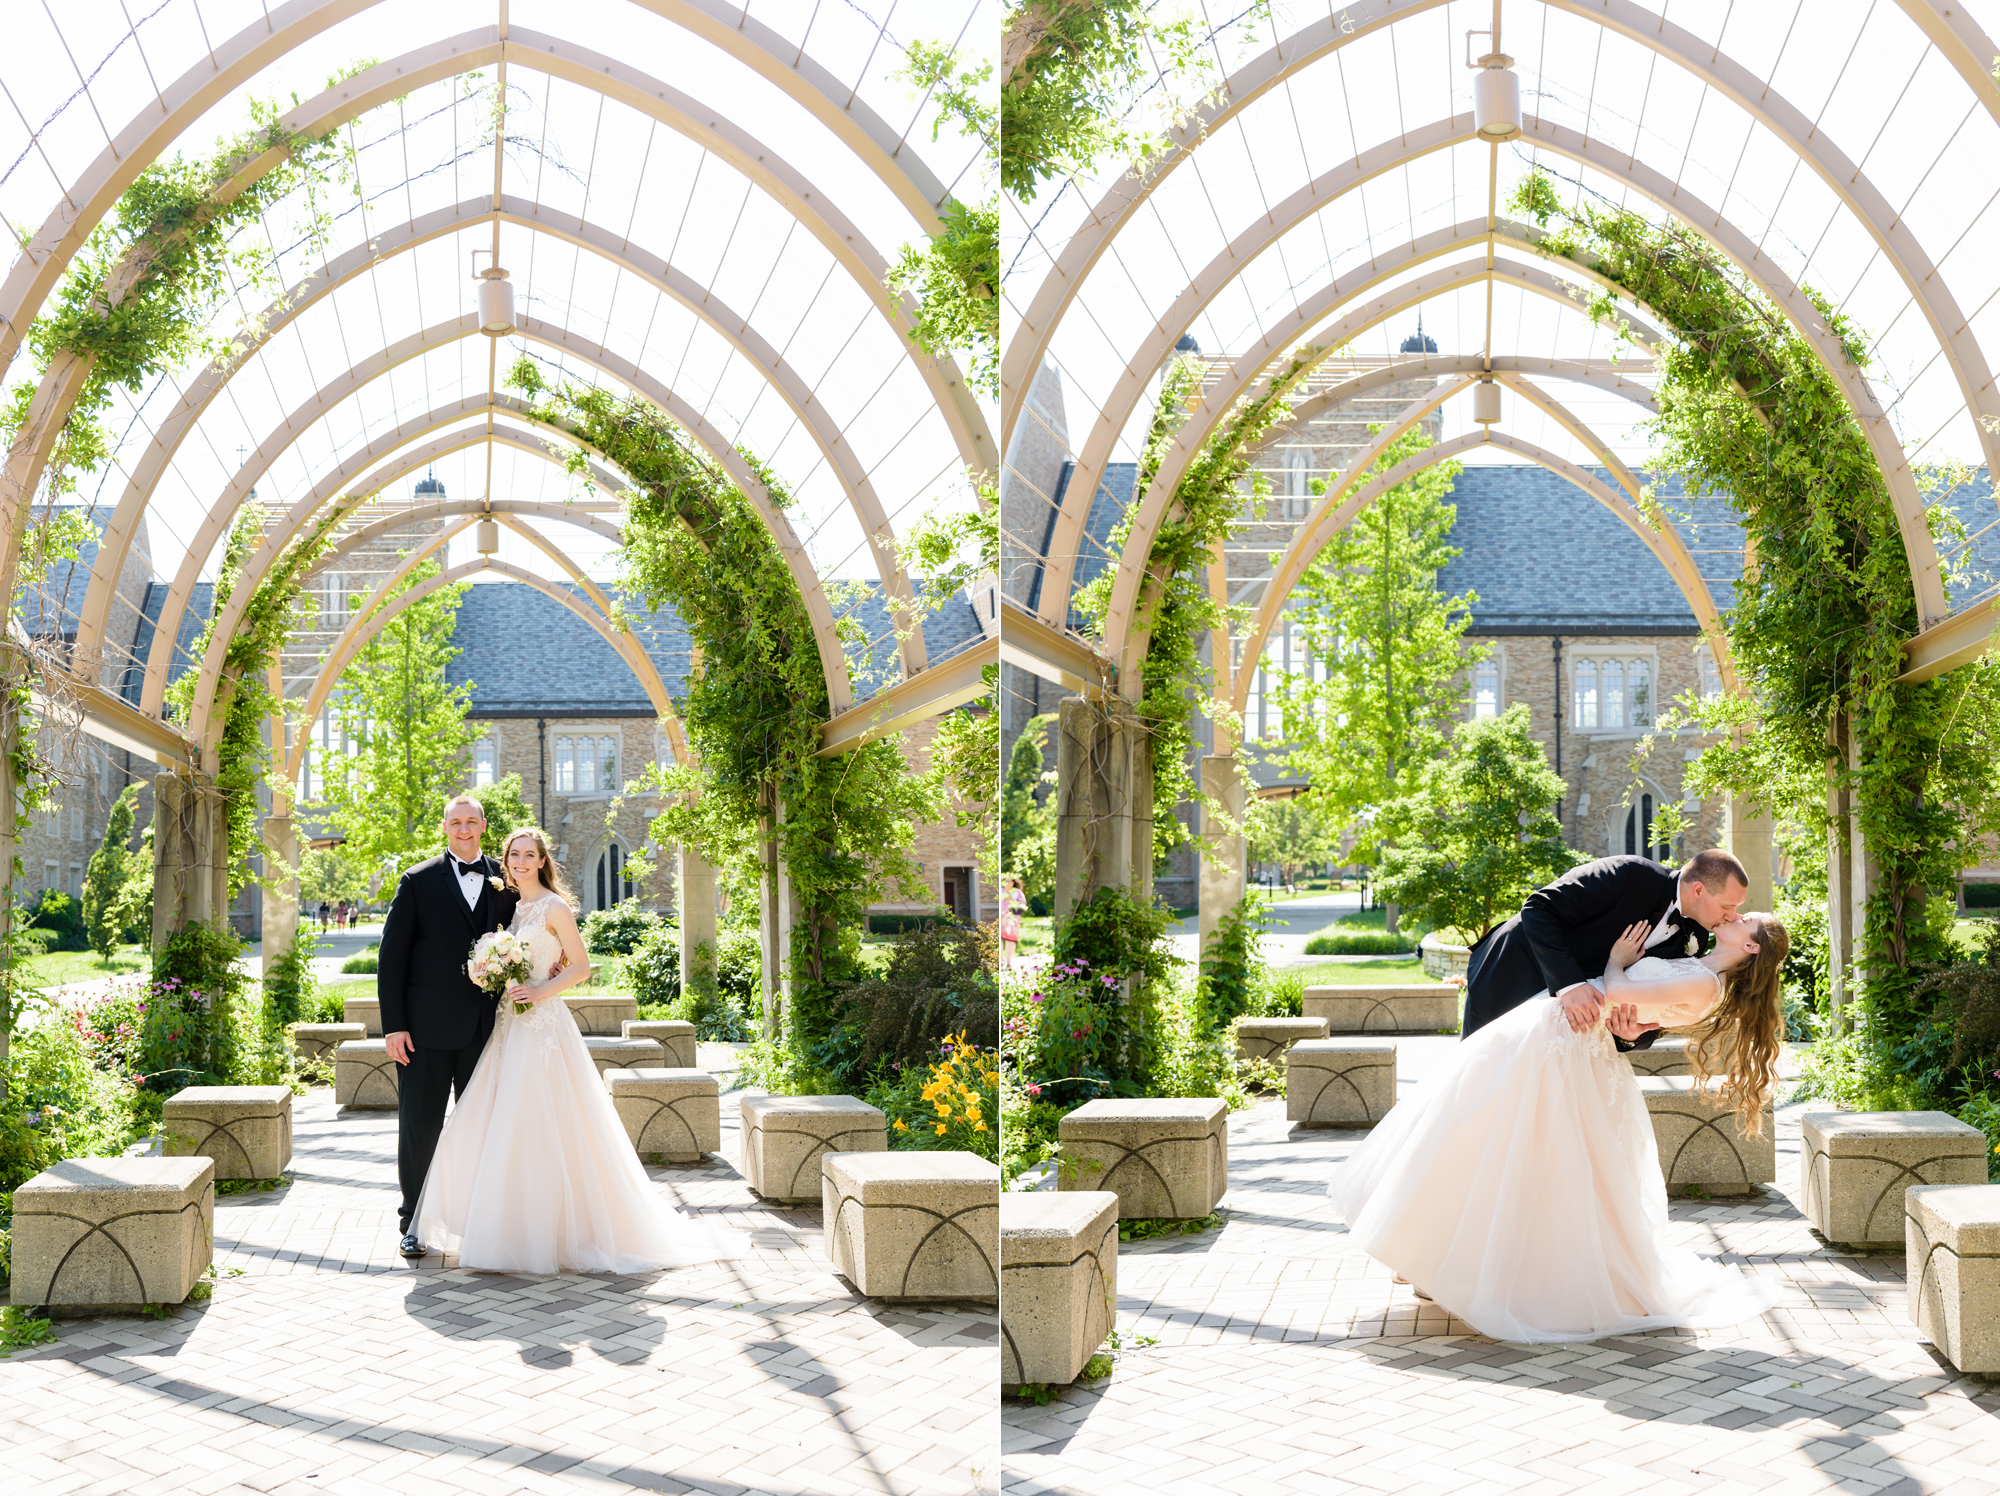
(952, 1103)
(289, 986)
(188, 1037)
(62, 1103)
(59, 914)
(1982, 895)
(1329, 943)
(618, 930)
(1227, 962)
(362, 964)
(938, 982)
(653, 965)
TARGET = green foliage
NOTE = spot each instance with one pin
(653, 965)
(1747, 411)
(1229, 963)
(618, 930)
(327, 877)
(1027, 812)
(948, 1100)
(111, 868)
(362, 963)
(289, 984)
(189, 1033)
(754, 703)
(408, 724)
(58, 913)
(1475, 832)
(1367, 943)
(1151, 1228)
(1391, 644)
(938, 982)
(62, 1103)
(1114, 933)
(952, 276)
(506, 808)
(19, 1328)
(1293, 833)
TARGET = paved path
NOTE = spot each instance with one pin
(1288, 1363)
(332, 1366)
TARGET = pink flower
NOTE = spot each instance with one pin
(1033, 1089)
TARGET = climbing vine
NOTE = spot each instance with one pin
(757, 696)
(1747, 412)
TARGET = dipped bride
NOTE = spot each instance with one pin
(534, 1172)
(1520, 1187)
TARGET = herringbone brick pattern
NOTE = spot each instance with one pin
(1287, 1362)
(332, 1366)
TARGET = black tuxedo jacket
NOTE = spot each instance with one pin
(426, 941)
(1564, 934)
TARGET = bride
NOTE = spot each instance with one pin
(534, 1172)
(1520, 1187)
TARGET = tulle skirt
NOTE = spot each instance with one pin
(1520, 1187)
(534, 1172)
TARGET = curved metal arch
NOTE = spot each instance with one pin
(832, 657)
(1649, 29)
(364, 628)
(1186, 443)
(1315, 195)
(364, 258)
(1408, 468)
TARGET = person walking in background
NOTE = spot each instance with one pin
(1013, 908)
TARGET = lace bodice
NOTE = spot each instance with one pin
(531, 924)
(1658, 970)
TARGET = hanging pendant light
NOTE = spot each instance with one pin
(1496, 94)
(1486, 402)
(487, 537)
(496, 303)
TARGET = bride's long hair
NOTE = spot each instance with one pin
(549, 875)
(1746, 1028)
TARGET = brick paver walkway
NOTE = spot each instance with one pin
(332, 1366)
(1288, 1362)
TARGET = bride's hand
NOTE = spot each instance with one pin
(519, 993)
(1631, 945)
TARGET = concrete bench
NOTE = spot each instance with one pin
(1340, 1082)
(913, 1225)
(1059, 1282)
(1951, 1252)
(1701, 1146)
(623, 1054)
(318, 1041)
(112, 1235)
(1269, 1038)
(245, 1130)
(1668, 1056)
(675, 1114)
(785, 1136)
(601, 1015)
(1429, 1008)
(673, 1035)
(1857, 1165)
(366, 1011)
(364, 1077)
(1162, 1157)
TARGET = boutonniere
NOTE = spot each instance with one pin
(1693, 946)
(499, 885)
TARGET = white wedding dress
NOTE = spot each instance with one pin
(534, 1172)
(1520, 1186)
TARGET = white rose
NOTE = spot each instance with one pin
(1693, 946)
(499, 886)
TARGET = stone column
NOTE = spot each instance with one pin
(281, 886)
(190, 855)
(697, 898)
(10, 848)
(1104, 803)
(1747, 833)
(1224, 857)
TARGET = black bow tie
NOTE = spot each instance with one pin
(462, 868)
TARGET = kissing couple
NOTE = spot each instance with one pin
(1520, 1186)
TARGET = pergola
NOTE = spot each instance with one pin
(704, 220)
(1340, 184)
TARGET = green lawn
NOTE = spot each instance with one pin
(1390, 971)
(60, 968)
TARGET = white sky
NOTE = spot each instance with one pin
(572, 152)
(1862, 73)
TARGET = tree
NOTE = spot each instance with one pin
(408, 724)
(1027, 825)
(1293, 834)
(327, 877)
(1475, 832)
(104, 881)
(507, 811)
(1390, 643)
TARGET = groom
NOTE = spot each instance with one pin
(435, 1020)
(1564, 934)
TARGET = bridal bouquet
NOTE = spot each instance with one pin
(500, 959)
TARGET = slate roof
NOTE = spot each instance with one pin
(193, 620)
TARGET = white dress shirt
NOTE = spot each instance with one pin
(1665, 927)
(468, 883)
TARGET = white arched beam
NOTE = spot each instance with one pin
(1958, 38)
(571, 514)
(1310, 199)
(365, 258)
(365, 627)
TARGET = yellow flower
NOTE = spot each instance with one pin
(943, 1110)
(979, 1127)
(901, 1126)
(940, 1128)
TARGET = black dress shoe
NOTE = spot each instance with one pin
(409, 1246)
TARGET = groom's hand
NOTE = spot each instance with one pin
(1624, 1022)
(399, 1046)
(1580, 1006)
